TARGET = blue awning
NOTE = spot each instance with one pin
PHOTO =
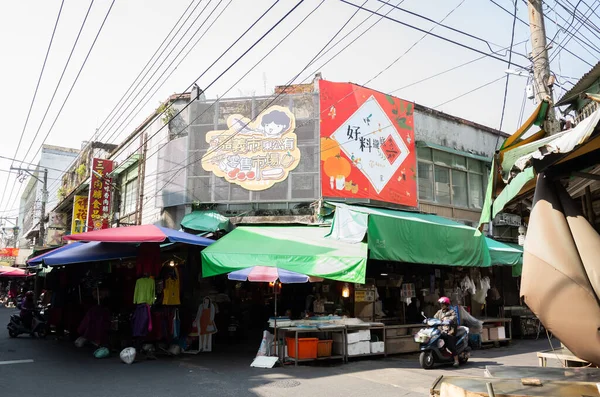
(85, 252)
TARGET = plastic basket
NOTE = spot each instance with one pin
(324, 348)
(307, 347)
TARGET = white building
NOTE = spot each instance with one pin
(55, 159)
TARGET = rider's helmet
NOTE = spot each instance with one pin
(444, 300)
(29, 294)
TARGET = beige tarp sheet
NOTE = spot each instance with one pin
(561, 271)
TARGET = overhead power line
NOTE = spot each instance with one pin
(470, 91)
(72, 86)
(512, 41)
(37, 86)
(432, 34)
(124, 98)
(62, 75)
(141, 80)
(226, 51)
(158, 68)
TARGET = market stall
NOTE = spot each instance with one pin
(125, 288)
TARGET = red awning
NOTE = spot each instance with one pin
(141, 234)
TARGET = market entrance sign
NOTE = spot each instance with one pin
(367, 145)
(254, 154)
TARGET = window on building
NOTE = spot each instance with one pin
(129, 191)
(129, 197)
(442, 185)
(450, 179)
(425, 172)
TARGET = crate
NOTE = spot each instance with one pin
(324, 348)
(307, 347)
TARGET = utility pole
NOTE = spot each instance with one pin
(43, 207)
(542, 78)
(44, 180)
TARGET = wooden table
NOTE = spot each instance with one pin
(563, 354)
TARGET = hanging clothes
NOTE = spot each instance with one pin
(171, 291)
(95, 326)
(144, 291)
(148, 259)
(141, 322)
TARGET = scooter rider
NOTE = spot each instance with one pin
(27, 307)
(448, 329)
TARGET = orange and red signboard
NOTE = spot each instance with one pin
(98, 214)
(367, 145)
(9, 252)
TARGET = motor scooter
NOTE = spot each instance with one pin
(433, 349)
(39, 324)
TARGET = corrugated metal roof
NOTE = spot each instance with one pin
(583, 84)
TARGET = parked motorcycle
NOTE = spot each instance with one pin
(39, 325)
(433, 349)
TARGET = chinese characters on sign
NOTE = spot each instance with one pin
(98, 216)
(79, 214)
(367, 145)
(254, 154)
(9, 252)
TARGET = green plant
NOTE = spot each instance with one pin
(81, 170)
(61, 193)
(168, 112)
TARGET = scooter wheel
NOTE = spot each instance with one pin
(463, 358)
(426, 360)
(41, 334)
(12, 334)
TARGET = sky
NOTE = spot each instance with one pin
(389, 57)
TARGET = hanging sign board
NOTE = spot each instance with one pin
(367, 145)
(254, 154)
(100, 195)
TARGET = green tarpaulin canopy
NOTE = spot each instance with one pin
(410, 237)
(302, 249)
(206, 221)
(504, 254)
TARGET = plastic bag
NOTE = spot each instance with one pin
(267, 341)
(467, 320)
(102, 352)
(468, 285)
(80, 342)
(127, 355)
(481, 294)
(175, 350)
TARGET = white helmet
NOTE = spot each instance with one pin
(128, 355)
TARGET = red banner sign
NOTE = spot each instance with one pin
(99, 200)
(367, 145)
(9, 252)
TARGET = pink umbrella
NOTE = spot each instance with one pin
(6, 271)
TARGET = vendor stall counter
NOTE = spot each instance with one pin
(492, 333)
(306, 349)
(367, 339)
(400, 338)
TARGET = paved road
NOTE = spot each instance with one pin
(59, 369)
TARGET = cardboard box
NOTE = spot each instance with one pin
(501, 333)
(494, 333)
(485, 335)
(358, 348)
(377, 347)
